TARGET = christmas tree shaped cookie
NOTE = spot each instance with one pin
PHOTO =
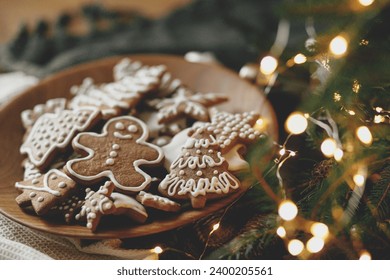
(199, 173)
(117, 153)
(53, 132)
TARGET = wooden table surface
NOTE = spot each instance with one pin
(15, 12)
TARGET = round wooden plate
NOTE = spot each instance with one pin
(200, 77)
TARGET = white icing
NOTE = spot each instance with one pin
(122, 201)
(122, 136)
(193, 162)
(115, 146)
(220, 184)
(110, 161)
(143, 196)
(119, 126)
(113, 154)
(132, 128)
(45, 187)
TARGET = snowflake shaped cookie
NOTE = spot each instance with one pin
(184, 102)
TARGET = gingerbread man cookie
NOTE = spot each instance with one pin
(45, 191)
(52, 133)
(117, 153)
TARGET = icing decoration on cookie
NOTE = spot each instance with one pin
(54, 131)
(68, 208)
(173, 149)
(117, 153)
(199, 176)
(126, 67)
(184, 102)
(30, 170)
(127, 205)
(230, 129)
(158, 202)
(97, 204)
(29, 117)
(168, 85)
(89, 94)
(156, 129)
(43, 192)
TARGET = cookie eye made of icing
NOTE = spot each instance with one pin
(119, 126)
(132, 128)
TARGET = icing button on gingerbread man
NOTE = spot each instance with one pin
(117, 153)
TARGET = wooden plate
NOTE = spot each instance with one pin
(201, 77)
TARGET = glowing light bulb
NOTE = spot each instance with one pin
(365, 255)
(379, 109)
(379, 119)
(315, 244)
(328, 147)
(268, 65)
(296, 123)
(287, 210)
(359, 180)
(295, 247)
(300, 58)
(338, 46)
(366, 3)
(157, 250)
(216, 227)
(260, 124)
(319, 230)
(351, 112)
(364, 135)
(281, 232)
(282, 152)
(338, 154)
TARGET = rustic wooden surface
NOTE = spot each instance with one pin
(14, 13)
(205, 78)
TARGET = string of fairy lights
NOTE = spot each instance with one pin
(290, 222)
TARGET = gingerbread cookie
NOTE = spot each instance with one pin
(117, 153)
(199, 173)
(184, 102)
(30, 170)
(45, 191)
(68, 208)
(230, 129)
(54, 132)
(90, 95)
(127, 205)
(97, 204)
(157, 202)
(156, 129)
(29, 117)
(125, 68)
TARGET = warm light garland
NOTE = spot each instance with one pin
(338, 46)
(268, 65)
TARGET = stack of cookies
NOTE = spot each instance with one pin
(143, 141)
